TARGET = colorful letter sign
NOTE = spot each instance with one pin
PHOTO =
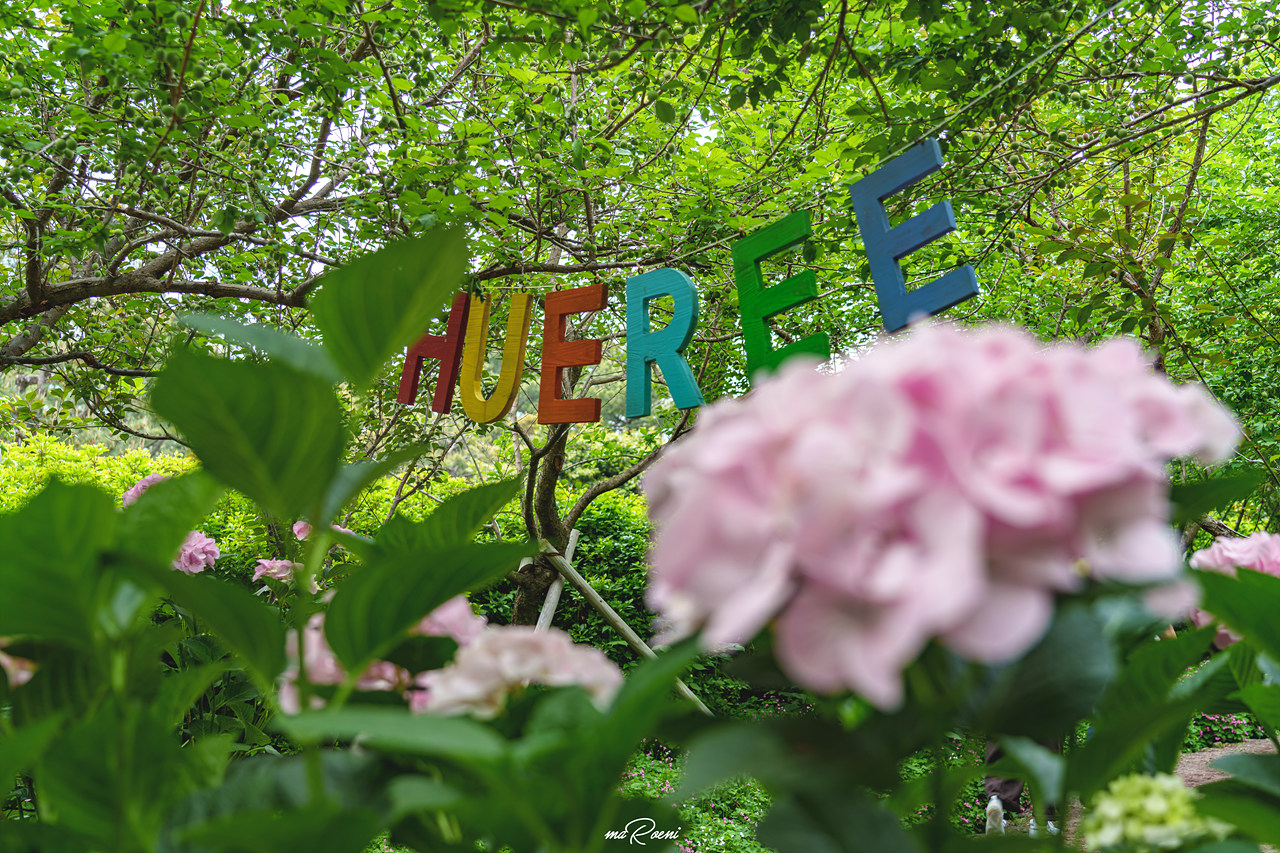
(886, 246)
(557, 354)
(447, 349)
(758, 303)
(482, 409)
(664, 347)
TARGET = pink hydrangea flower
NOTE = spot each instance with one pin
(947, 485)
(503, 659)
(454, 619)
(282, 570)
(198, 552)
(135, 491)
(17, 670)
(1258, 551)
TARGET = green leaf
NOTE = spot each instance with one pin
(1152, 671)
(48, 561)
(686, 14)
(1043, 768)
(640, 702)
(727, 751)
(458, 518)
(664, 111)
(264, 429)
(373, 609)
(1264, 701)
(313, 827)
(244, 623)
(354, 477)
(1256, 771)
(1037, 696)
(156, 525)
(398, 730)
(834, 822)
(1117, 745)
(1192, 500)
(301, 355)
(20, 749)
(30, 836)
(180, 690)
(371, 309)
(410, 794)
(1252, 813)
(1248, 603)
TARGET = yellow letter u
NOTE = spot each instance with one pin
(482, 409)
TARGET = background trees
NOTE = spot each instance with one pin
(1106, 161)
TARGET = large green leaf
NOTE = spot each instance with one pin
(1152, 671)
(834, 822)
(265, 429)
(156, 525)
(1038, 696)
(21, 748)
(299, 354)
(1192, 500)
(313, 827)
(249, 627)
(1256, 771)
(1254, 813)
(1248, 603)
(375, 306)
(398, 730)
(373, 609)
(49, 559)
(1264, 701)
(454, 522)
(729, 750)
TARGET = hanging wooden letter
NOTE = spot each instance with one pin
(886, 246)
(664, 347)
(482, 409)
(758, 303)
(447, 349)
(557, 354)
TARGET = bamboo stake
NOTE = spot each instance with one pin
(557, 586)
(611, 616)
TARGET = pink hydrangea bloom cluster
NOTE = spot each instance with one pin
(454, 619)
(1258, 551)
(281, 570)
(945, 485)
(17, 670)
(506, 658)
(197, 552)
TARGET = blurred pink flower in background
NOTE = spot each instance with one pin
(135, 491)
(17, 670)
(302, 529)
(945, 485)
(454, 619)
(197, 552)
(1258, 551)
(282, 570)
(505, 658)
